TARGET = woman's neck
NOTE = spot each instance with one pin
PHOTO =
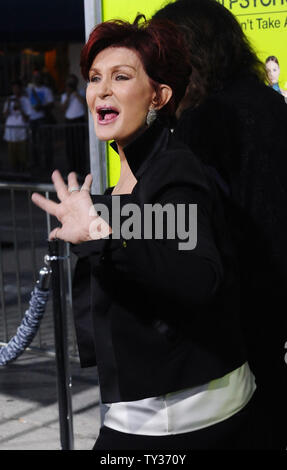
(127, 180)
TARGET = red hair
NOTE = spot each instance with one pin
(160, 46)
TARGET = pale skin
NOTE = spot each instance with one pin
(273, 72)
(117, 80)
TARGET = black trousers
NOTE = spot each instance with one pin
(246, 430)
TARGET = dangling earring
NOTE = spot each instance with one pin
(151, 116)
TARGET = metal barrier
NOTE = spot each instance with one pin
(64, 381)
(24, 230)
(38, 148)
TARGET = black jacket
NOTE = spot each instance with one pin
(241, 133)
(153, 318)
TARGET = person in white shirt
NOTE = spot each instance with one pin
(41, 97)
(17, 111)
(73, 103)
(73, 100)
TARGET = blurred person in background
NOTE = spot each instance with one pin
(236, 125)
(73, 103)
(17, 111)
(41, 98)
(42, 102)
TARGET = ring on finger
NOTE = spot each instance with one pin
(73, 188)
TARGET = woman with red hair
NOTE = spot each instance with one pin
(154, 310)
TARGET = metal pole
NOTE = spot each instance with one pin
(16, 252)
(93, 15)
(61, 346)
(98, 151)
(33, 251)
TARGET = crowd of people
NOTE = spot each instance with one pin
(30, 111)
(189, 343)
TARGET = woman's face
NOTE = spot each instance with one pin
(119, 94)
(273, 71)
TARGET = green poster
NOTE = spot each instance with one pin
(263, 21)
(265, 24)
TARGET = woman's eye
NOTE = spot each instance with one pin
(122, 77)
(94, 78)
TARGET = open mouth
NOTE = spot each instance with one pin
(107, 114)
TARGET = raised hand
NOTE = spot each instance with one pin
(79, 221)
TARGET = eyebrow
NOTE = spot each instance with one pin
(115, 67)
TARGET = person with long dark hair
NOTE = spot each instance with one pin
(236, 125)
(156, 307)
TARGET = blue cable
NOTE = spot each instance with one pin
(30, 323)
